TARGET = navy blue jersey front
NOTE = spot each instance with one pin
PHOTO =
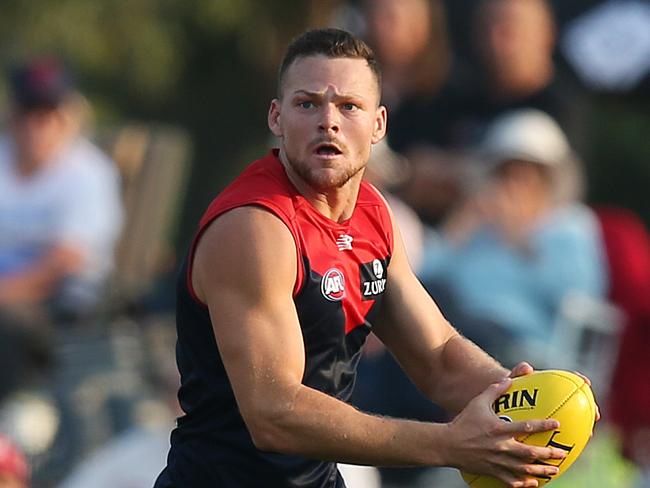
(342, 275)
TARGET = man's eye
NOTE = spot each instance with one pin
(305, 104)
(349, 106)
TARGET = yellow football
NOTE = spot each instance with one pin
(559, 395)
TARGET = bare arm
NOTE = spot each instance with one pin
(244, 269)
(445, 366)
(458, 375)
(260, 341)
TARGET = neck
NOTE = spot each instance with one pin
(336, 204)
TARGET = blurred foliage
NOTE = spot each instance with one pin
(209, 66)
(143, 50)
(618, 155)
(206, 65)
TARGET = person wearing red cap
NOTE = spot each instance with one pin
(14, 472)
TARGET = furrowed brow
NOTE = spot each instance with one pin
(307, 93)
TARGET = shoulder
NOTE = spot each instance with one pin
(246, 221)
(575, 217)
(263, 183)
(570, 225)
(371, 197)
(250, 247)
(369, 194)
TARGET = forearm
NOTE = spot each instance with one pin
(463, 370)
(447, 368)
(321, 427)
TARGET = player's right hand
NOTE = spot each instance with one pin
(479, 442)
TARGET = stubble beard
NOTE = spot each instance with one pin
(319, 181)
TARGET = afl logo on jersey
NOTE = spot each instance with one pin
(333, 285)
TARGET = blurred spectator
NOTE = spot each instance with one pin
(60, 210)
(410, 39)
(513, 43)
(519, 244)
(59, 195)
(14, 472)
(627, 242)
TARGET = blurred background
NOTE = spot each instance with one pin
(517, 162)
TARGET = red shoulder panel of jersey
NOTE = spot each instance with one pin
(263, 183)
(320, 242)
(370, 195)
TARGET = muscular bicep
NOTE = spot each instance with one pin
(244, 269)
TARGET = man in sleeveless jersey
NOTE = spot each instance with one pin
(292, 266)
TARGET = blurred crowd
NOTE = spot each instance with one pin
(483, 166)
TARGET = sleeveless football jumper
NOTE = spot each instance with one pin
(342, 275)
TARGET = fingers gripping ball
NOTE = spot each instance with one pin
(559, 395)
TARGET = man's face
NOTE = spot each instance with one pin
(327, 119)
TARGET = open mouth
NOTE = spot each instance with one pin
(327, 150)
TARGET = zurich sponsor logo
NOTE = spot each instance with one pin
(373, 276)
(332, 286)
(378, 269)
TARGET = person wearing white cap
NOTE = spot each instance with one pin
(520, 243)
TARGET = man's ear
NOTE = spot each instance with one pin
(274, 118)
(380, 124)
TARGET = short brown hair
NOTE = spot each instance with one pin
(333, 43)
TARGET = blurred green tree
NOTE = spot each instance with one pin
(209, 67)
(206, 65)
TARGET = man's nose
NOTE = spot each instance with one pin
(329, 118)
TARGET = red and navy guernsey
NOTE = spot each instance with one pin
(342, 275)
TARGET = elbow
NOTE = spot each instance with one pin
(267, 439)
(262, 437)
(270, 430)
